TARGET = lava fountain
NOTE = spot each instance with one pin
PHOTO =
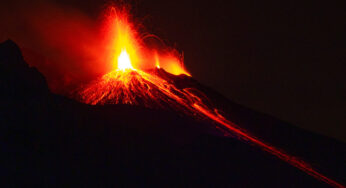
(124, 61)
(141, 76)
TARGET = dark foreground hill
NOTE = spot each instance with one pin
(52, 141)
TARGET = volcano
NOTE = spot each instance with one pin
(155, 90)
(51, 140)
(146, 122)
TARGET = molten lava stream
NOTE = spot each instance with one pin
(125, 86)
(280, 154)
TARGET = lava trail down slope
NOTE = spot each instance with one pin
(131, 86)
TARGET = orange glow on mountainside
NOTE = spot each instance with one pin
(146, 77)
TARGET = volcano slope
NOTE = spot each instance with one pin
(50, 140)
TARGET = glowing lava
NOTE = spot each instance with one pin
(125, 47)
(153, 88)
(124, 61)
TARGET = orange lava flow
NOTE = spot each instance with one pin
(127, 83)
(140, 88)
(294, 161)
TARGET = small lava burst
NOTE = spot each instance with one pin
(154, 87)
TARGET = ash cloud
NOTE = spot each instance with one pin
(63, 43)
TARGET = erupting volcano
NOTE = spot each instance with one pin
(148, 77)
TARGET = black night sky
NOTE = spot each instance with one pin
(283, 58)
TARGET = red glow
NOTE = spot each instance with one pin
(128, 82)
(122, 35)
(171, 64)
